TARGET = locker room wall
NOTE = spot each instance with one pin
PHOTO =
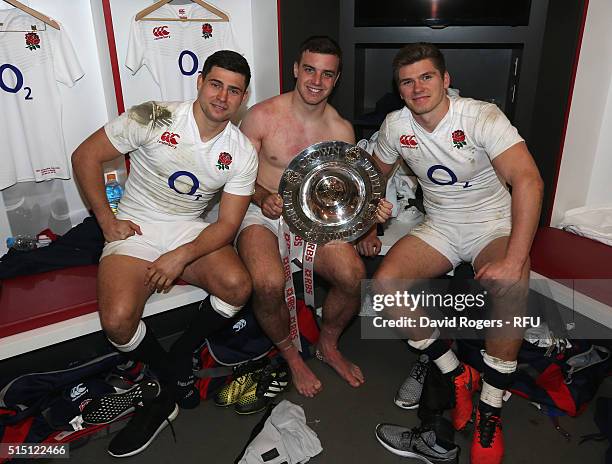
(141, 87)
(30, 207)
(587, 158)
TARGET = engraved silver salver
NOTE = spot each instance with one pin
(330, 192)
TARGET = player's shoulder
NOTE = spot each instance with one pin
(471, 108)
(237, 141)
(267, 108)
(153, 113)
(397, 118)
(334, 122)
(260, 116)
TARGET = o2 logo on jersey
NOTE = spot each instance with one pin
(182, 62)
(170, 139)
(185, 183)
(11, 81)
(409, 141)
(161, 32)
(452, 177)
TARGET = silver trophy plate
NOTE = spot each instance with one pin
(330, 192)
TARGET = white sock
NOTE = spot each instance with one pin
(448, 362)
(139, 335)
(505, 367)
(422, 345)
(224, 309)
(491, 395)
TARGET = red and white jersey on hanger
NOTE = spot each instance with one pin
(175, 51)
(33, 58)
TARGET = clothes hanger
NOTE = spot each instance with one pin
(222, 17)
(37, 14)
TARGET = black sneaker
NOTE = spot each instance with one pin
(268, 383)
(108, 408)
(409, 394)
(148, 421)
(417, 443)
(182, 381)
(188, 396)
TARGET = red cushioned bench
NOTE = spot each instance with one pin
(34, 301)
(43, 309)
(568, 261)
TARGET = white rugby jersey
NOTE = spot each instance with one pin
(175, 51)
(453, 163)
(32, 61)
(173, 174)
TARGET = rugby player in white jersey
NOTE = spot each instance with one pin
(182, 153)
(467, 156)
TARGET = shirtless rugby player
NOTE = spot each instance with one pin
(280, 128)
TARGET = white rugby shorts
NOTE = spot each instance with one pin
(157, 238)
(461, 242)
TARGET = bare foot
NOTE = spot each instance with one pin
(346, 369)
(303, 378)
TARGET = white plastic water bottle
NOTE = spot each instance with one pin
(114, 191)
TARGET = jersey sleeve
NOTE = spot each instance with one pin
(65, 62)
(243, 182)
(384, 148)
(132, 129)
(136, 48)
(494, 131)
(230, 42)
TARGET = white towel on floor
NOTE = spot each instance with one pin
(284, 439)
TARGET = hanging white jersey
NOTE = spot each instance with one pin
(33, 58)
(175, 51)
(453, 163)
(173, 174)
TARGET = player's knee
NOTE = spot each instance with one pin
(386, 272)
(269, 286)
(518, 292)
(238, 288)
(349, 275)
(118, 330)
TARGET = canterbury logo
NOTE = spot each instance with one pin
(409, 141)
(238, 326)
(170, 139)
(77, 391)
(161, 32)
